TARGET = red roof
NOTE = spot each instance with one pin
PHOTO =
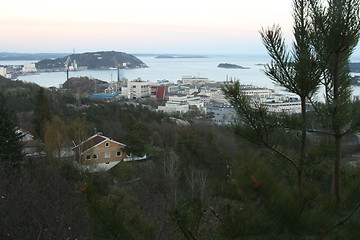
(98, 139)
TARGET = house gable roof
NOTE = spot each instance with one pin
(95, 141)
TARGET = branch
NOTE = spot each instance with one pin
(343, 221)
(265, 144)
(319, 132)
(350, 130)
(316, 110)
(292, 162)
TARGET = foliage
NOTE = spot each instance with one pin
(123, 172)
(191, 219)
(41, 114)
(263, 190)
(20, 96)
(116, 215)
(79, 130)
(39, 201)
(56, 137)
(335, 35)
(137, 135)
(259, 206)
(10, 145)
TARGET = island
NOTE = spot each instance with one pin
(91, 60)
(229, 65)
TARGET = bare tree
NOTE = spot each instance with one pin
(171, 173)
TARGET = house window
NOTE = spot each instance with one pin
(107, 144)
(88, 157)
(95, 156)
(118, 154)
(107, 155)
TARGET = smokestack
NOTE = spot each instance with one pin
(118, 72)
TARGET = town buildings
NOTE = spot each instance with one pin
(195, 94)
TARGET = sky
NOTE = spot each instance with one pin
(142, 26)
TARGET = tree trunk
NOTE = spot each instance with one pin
(303, 142)
(337, 169)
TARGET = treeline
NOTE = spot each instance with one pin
(140, 197)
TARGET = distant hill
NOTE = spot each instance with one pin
(92, 60)
(6, 56)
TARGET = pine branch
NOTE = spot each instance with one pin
(319, 132)
(343, 221)
(265, 144)
(292, 162)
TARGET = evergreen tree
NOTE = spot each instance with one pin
(10, 145)
(137, 135)
(335, 35)
(260, 201)
(325, 37)
(297, 70)
(41, 114)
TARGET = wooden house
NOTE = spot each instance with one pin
(100, 152)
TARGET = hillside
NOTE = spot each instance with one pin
(20, 95)
(85, 85)
(92, 60)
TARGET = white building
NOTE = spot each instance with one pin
(194, 80)
(3, 71)
(188, 90)
(253, 91)
(215, 94)
(283, 106)
(182, 104)
(29, 68)
(138, 89)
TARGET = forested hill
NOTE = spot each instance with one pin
(93, 60)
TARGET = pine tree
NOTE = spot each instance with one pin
(41, 114)
(10, 145)
(260, 201)
(136, 137)
(325, 37)
(335, 35)
(296, 70)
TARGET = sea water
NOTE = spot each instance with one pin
(173, 69)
